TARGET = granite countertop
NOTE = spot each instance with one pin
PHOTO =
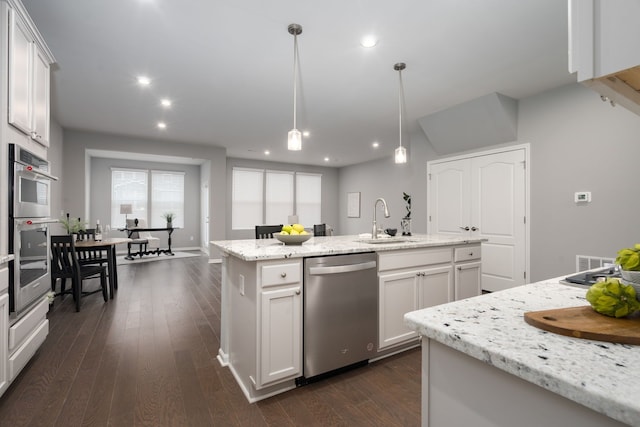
(4, 258)
(602, 376)
(264, 249)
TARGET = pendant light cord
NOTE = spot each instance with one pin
(400, 106)
(295, 77)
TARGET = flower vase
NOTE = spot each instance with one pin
(405, 224)
(169, 224)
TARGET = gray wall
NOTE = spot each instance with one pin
(76, 186)
(187, 236)
(578, 143)
(329, 191)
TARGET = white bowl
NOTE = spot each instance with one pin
(292, 239)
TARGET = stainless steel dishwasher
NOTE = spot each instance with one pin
(340, 311)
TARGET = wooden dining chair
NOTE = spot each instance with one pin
(320, 229)
(266, 231)
(91, 256)
(65, 265)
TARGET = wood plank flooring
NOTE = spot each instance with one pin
(147, 358)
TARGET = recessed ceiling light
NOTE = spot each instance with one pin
(144, 81)
(162, 125)
(267, 152)
(165, 102)
(369, 41)
(305, 133)
(375, 144)
(326, 159)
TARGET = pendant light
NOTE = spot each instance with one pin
(401, 152)
(294, 140)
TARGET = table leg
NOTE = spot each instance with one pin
(112, 268)
(169, 242)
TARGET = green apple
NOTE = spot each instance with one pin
(294, 232)
(287, 228)
(298, 227)
(304, 232)
(284, 232)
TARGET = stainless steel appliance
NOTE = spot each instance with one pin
(340, 311)
(588, 278)
(29, 211)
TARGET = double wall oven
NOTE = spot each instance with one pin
(29, 220)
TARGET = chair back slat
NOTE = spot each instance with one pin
(63, 254)
(266, 231)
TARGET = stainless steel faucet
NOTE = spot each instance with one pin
(374, 231)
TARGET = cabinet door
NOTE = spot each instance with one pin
(398, 294)
(436, 286)
(468, 280)
(20, 74)
(4, 342)
(41, 76)
(280, 352)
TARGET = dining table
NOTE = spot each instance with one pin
(109, 245)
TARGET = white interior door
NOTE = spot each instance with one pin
(484, 196)
(498, 214)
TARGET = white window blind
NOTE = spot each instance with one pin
(167, 195)
(309, 198)
(247, 198)
(128, 186)
(278, 197)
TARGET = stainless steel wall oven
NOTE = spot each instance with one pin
(29, 219)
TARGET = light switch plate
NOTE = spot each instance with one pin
(582, 197)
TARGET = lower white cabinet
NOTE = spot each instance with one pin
(4, 342)
(280, 335)
(409, 290)
(468, 272)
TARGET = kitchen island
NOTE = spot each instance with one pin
(261, 333)
(482, 365)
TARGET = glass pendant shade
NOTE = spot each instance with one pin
(401, 155)
(294, 141)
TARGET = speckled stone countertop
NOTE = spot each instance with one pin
(602, 376)
(264, 249)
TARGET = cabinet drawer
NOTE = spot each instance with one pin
(19, 359)
(281, 274)
(467, 253)
(22, 328)
(413, 258)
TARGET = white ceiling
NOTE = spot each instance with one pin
(228, 67)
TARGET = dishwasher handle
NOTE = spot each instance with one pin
(346, 268)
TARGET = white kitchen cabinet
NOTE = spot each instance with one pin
(405, 287)
(603, 48)
(468, 272)
(28, 77)
(279, 355)
(280, 350)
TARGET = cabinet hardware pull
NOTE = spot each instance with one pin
(459, 268)
(470, 253)
(283, 275)
(298, 291)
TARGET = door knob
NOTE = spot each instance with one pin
(283, 275)
(475, 228)
(465, 228)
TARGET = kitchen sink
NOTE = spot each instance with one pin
(383, 240)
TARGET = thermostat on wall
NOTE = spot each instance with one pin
(582, 197)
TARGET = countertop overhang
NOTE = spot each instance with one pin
(266, 249)
(599, 375)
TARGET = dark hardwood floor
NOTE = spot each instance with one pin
(148, 358)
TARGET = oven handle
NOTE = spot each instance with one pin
(38, 221)
(37, 172)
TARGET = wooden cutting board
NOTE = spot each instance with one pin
(584, 322)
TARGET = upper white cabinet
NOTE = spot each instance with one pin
(28, 76)
(603, 48)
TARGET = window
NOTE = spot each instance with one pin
(269, 197)
(167, 195)
(247, 197)
(128, 186)
(278, 197)
(131, 186)
(309, 198)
